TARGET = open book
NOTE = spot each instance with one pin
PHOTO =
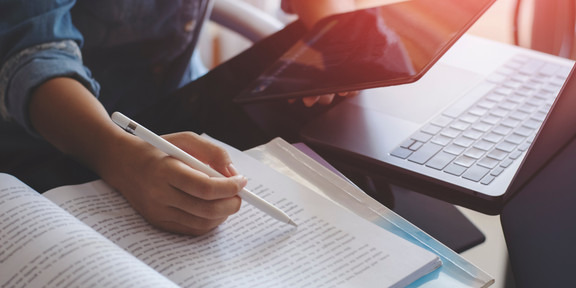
(88, 235)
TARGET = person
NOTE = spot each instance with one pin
(56, 56)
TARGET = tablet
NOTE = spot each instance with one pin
(381, 46)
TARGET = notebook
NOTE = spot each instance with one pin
(380, 46)
(469, 131)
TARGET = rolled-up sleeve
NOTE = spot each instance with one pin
(37, 42)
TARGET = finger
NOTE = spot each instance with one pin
(310, 101)
(352, 93)
(326, 99)
(203, 150)
(207, 209)
(198, 184)
(181, 222)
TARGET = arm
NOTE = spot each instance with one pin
(169, 194)
(45, 87)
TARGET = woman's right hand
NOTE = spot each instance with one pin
(168, 193)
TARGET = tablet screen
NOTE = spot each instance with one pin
(381, 46)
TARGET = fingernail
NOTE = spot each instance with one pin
(241, 180)
(232, 170)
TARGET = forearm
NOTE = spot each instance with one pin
(67, 115)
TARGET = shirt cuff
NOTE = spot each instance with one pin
(33, 66)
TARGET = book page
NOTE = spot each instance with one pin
(330, 247)
(294, 161)
(42, 245)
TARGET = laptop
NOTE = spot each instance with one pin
(471, 131)
(381, 46)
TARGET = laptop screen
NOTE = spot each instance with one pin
(381, 46)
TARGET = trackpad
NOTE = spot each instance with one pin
(417, 102)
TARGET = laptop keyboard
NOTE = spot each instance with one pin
(477, 142)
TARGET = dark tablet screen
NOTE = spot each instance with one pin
(381, 46)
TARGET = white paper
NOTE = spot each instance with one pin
(43, 246)
(331, 247)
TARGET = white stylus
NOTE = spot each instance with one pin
(170, 149)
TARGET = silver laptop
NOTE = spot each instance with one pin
(466, 131)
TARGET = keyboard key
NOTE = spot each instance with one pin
(506, 146)
(454, 149)
(465, 161)
(487, 179)
(513, 84)
(401, 152)
(440, 160)
(503, 91)
(441, 140)
(491, 119)
(497, 154)
(487, 104)
(481, 126)
(493, 137)
(540, 116)
(488, 162)
(425, 153)
(508, 106)
(455, 169)
(450, 132)
(416, 146)
(506, 163)
(497, 171)
(499, 113)
(474, 153)
(460, 125)
(496, 97)
(478, 111)
(464, 141)
(484, 145)
(510, 122)
(442, 121)
(472, 134)
(502, 130)
(515, 138)
(420, 136)
(518, 98)
(524, 147)
(524, 131)
(469, 118)
(407, 143)
(519, 115)
(431, 129)
(475, 173)
(528, 108)
(532, 124)
(515, 155)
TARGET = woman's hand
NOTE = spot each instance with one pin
(323, 100)
(171, 195)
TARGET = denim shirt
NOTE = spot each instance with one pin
(126, 52)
